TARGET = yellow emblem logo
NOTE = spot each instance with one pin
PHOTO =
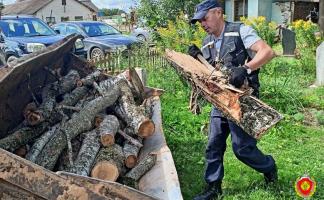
(305, 186)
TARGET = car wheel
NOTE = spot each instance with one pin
(11, 60)
(96, 53)
(141, 38)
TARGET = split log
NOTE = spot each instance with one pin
(152, 92)
(108, 129)
(132, 177)
(40, 143)
(232, 102)
(127, 110)
(87, 154)
(109, 163)
(194, 106)
(136, 85)
(80, 122)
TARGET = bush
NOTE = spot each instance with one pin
(180, 34)
(307, 34)
(266, 30)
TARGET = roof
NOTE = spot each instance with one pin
(27, 7)
(30, 7)
(89, 4)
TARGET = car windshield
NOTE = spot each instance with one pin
(25, 27)
(99, 29)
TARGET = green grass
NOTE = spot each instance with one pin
(296, 147)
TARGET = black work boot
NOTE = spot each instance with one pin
(271, 176)
(213, 191)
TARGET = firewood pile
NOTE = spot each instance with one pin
(91, 125)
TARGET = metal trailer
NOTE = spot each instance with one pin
(22, 179)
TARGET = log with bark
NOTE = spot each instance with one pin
(64, 162)
(127, 110)
(144, 165)
(109, 163)
(108, 129)
(40, 143)
(87, 154)
(66, 117)
(130, 139)
(80, 122)
(23, 136)
(131, 152)
(251, 114)
(49, 94)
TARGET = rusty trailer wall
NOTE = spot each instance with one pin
(23, 81)
(21, 179)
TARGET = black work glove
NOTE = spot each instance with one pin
(238, 76)
(194, 51)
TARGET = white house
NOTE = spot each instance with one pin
(53, 11)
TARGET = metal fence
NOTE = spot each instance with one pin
(143, 57)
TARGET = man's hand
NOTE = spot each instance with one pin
(194, 51)
(238, 77)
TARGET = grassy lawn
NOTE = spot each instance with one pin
(296, 143)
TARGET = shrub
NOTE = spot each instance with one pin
(180, 34)
(266, 30)
(307, 34)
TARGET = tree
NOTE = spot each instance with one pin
(156, 13)
(111, 12)
(321, 15)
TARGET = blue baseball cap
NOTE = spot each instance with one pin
(202, 9)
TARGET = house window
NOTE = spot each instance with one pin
(50, 20)
(240, 9)
(63, 2)
(78, 18)
(63, 19)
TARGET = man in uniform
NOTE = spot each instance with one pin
(240, 49)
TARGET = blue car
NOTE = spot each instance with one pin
(21, 35)
(99, 38)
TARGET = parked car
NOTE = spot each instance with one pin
(99, 38)
(21, 35)
(143, 34)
